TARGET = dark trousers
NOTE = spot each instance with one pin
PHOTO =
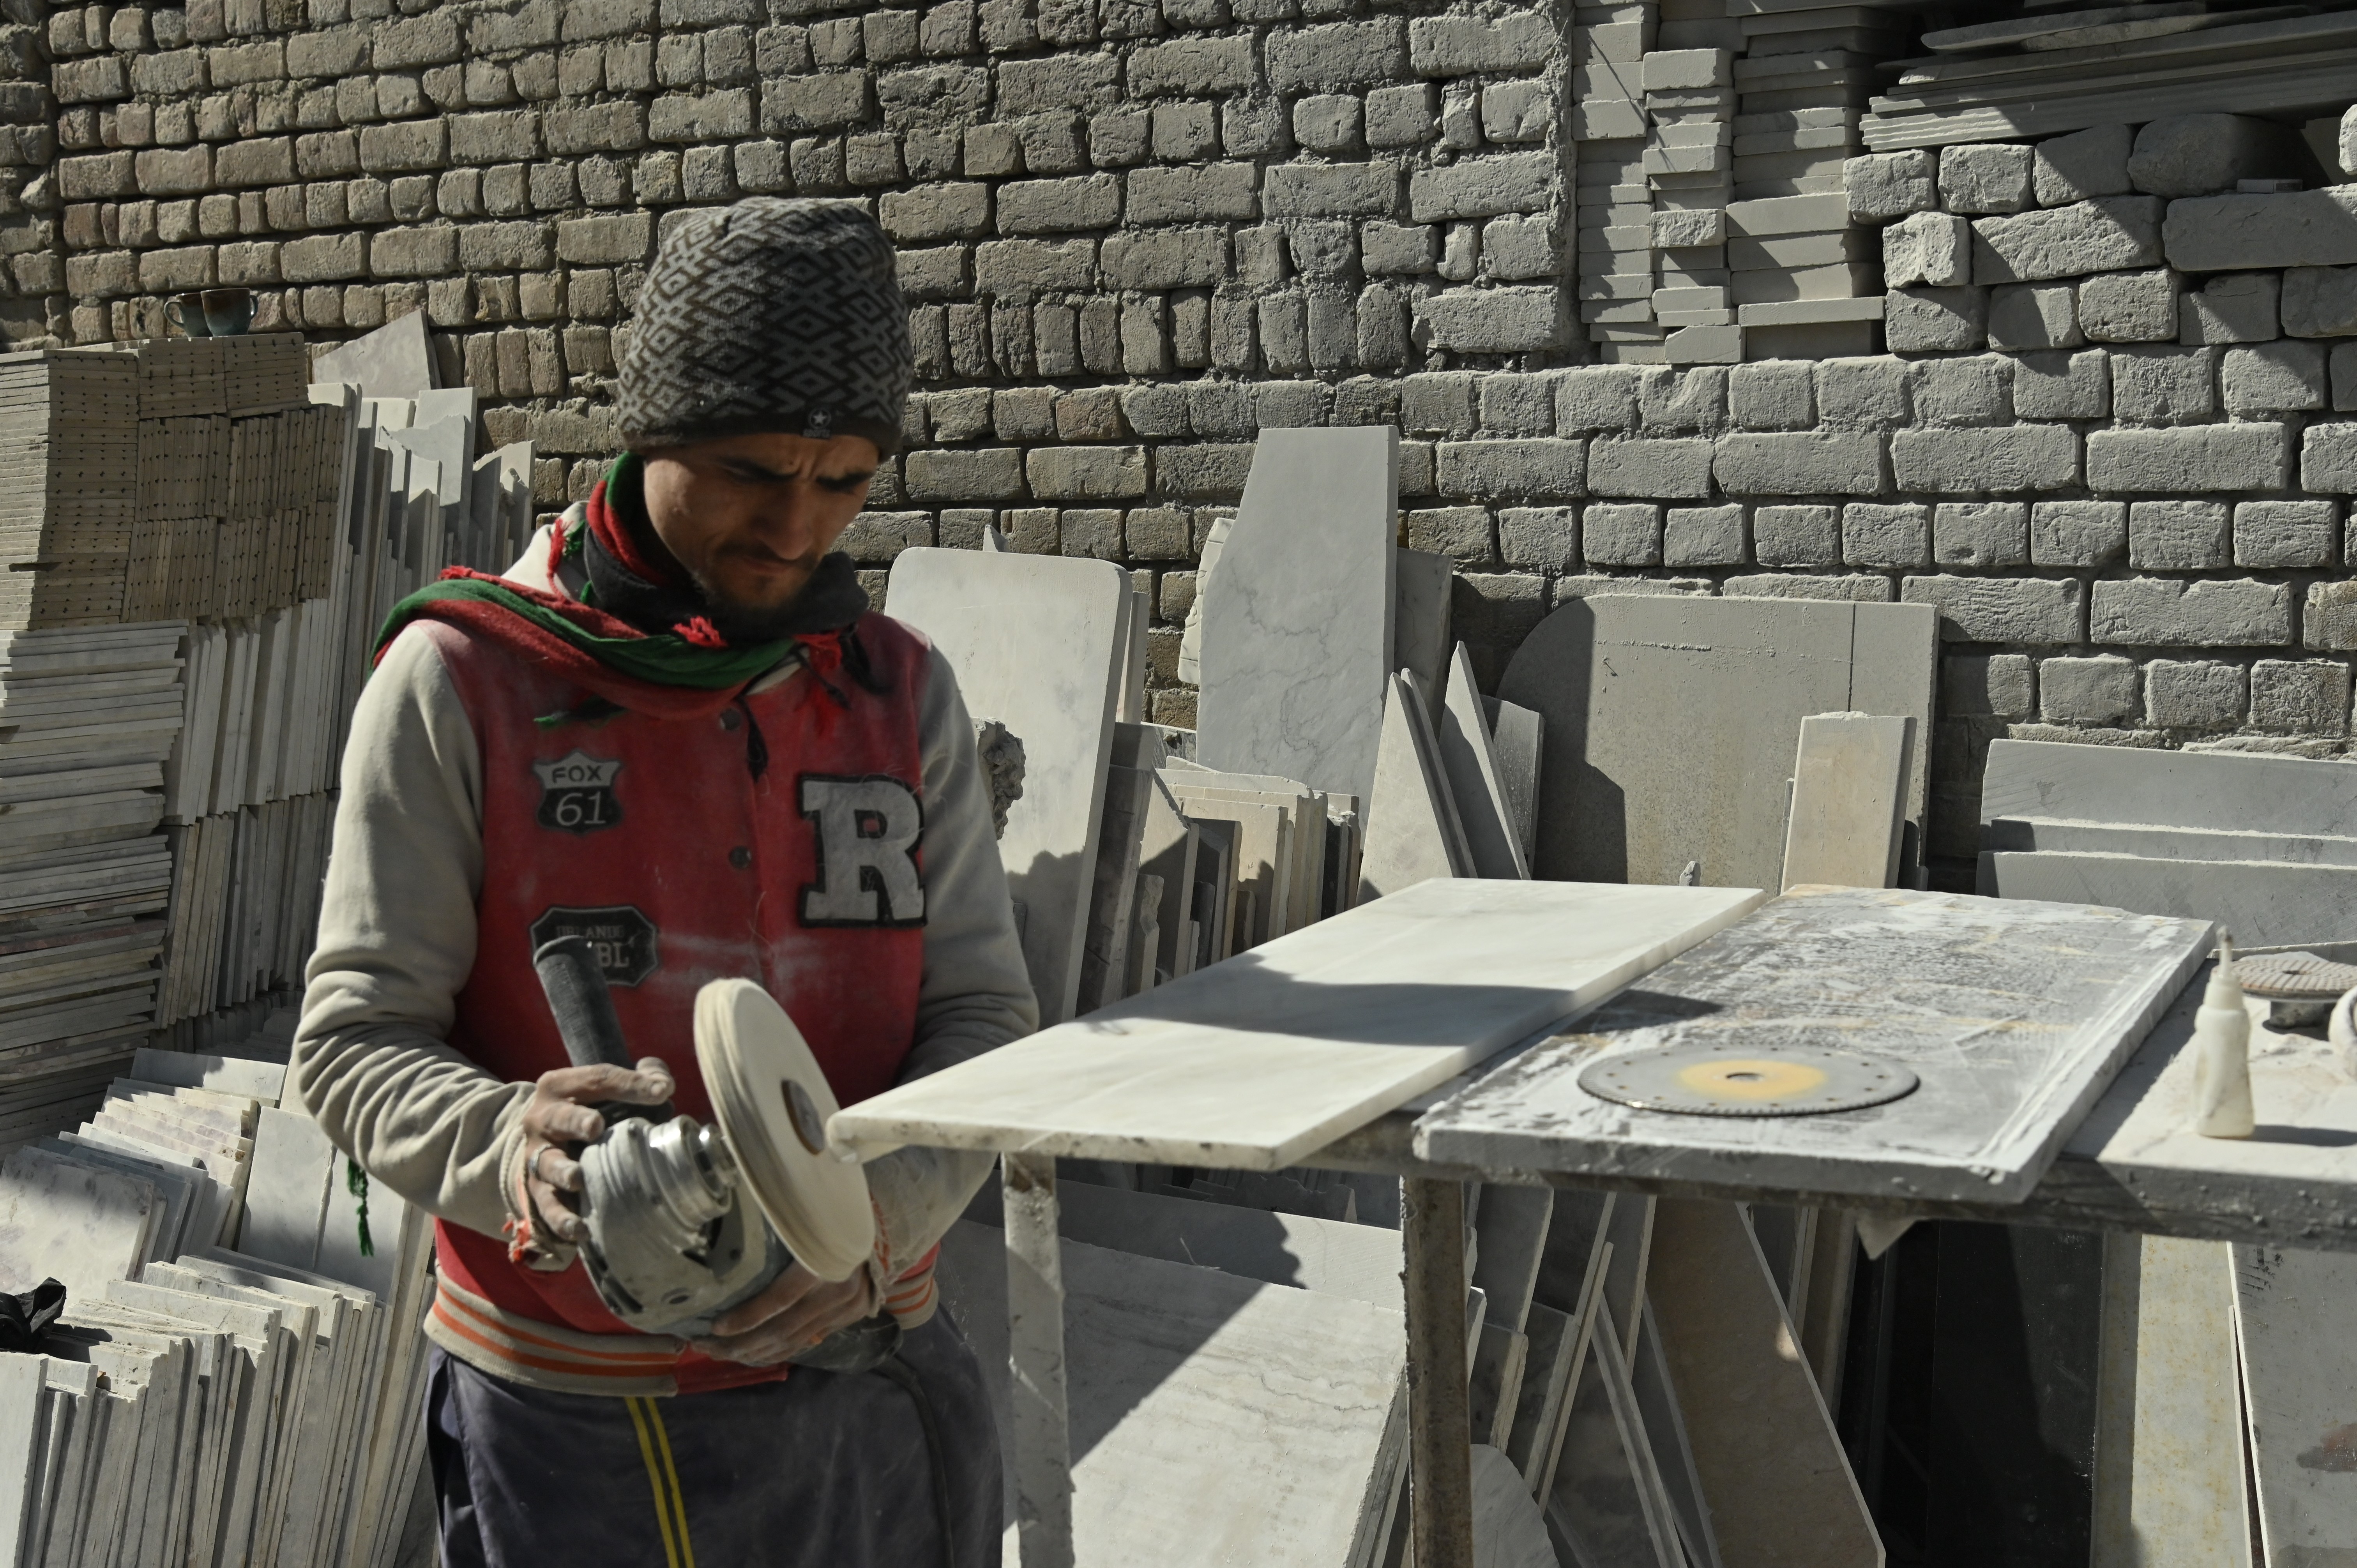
(823, 1470)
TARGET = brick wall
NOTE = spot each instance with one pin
(1136, 235)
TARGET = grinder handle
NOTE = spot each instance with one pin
(583, 1009)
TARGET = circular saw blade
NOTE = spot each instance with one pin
(772, 1103)
(2295, 977)
(1733, 1081)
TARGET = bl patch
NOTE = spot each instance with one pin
(622, 937)
(577, 793)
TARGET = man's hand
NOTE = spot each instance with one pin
(797, 1311)
(559, 1118)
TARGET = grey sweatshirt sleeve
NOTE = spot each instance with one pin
(397, 942)
(975, 995)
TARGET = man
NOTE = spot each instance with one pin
(676, 729)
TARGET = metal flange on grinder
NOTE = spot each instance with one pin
(687, 1220)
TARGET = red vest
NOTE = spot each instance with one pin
(771, 836)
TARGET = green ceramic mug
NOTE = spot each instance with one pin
(186, 312)
(228, 311)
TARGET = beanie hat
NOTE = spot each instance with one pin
(772, 315)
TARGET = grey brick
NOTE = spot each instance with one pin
(1934, 320)
(1020, 270)
(606, 242)
(1985, 178)
(2307, 697)
(2286, 535)
(2330, 625)
(1998, 684)
(1978, 535)
(2164, 385)
(1864, 391)
(938, 97)
(2032, 610)
(1974, 391)
(2273, 377)
(1199, 195)
(1340, 54)
(1186, 258)
(1482, 188)
(1060, 82)
(2179, 535)
(161, 272)
(814, 102)
(1676, 469)
(1494, 320)
(324, 258)
(877, 537)
(595, 128)
(1702, 536)
(1399, 116)
(1330, 190)
(1469, 46)
(1541, 468)
(1814, 463)
(176, 73)
(1775, 394)
(1058, 206)
(2129, 308)
(241, 64)
(1438, 404)
(1986, 461)
(1211, 472)
(2234, 307)
(2192, 694)
(1621, 535)
(413, 41)
(1291, 405)
(1196, 67)
(2033, 316)
(1854, 590)
(990, 474)
(1514, 404)
(2191, 457)
(1895, 536)
(959, 210)
(1597, 398)
(90, 80)
(400, 148)
(2320, 301)
(1884, 186)
(1087, 473)
(1392, 249)
(169, 172)
(1539, 538)
(2093, 162)
(2060, 385)
(2098, 691)
(507, 137)
(2162, 612)
(2328, 458)
(2078, 534)
(1459, 533)
(1679, 400)
(701, 117)
(505, 247)
(2109, 234)
(412, 253)
(1796, 535)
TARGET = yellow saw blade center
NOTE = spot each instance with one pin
(1762, 1079)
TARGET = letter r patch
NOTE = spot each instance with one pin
(868, 829)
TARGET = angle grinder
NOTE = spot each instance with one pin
(687, 1220)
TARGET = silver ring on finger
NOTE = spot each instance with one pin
(532, 1165)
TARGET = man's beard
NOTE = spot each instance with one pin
(742, 625)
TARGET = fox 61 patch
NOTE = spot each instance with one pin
(577, 792)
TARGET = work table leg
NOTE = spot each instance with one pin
(1035, 1353)
(1440, 1424)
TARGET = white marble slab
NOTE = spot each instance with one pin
(1413, 830)
(1039, 643)
(76, 1222)
(1849, 801)
(1296, 628)
(2014, 1015)
(2168, 1484)
(2300, 1382)
(1476, 783)
(1420, 617)
(1255, 1062)
(1215, 1419)
(394, 360)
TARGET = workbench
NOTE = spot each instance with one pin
(2126, 1164)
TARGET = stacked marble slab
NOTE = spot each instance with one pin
(1697, 121)
(69, 474)
(87, 718)
(197, 1404)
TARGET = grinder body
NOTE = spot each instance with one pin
(674, 1238)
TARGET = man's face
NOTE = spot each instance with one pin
(750, 517)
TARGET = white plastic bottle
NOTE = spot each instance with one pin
(2221, 1054)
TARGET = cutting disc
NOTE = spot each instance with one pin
(1703, 1080)
(2295, 977)
(772, 1103)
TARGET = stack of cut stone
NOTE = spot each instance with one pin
(1615, 201)
(1690, 103)
(68, 485)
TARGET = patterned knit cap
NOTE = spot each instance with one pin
(772, 315)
